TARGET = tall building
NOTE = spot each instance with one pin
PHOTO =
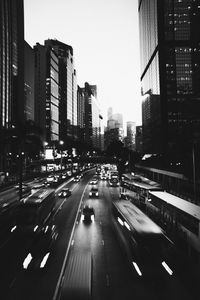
(118, 120)
(11, 73)
(67, 88)
(29, 80)
(131, 132)
(47, 92)
(114, 120)
(81, 113)
(170, 73)
(114, 130)
(110, 113)
(11, 62)
(93, 117)
(139, 140)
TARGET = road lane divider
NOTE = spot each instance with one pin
(60, 280)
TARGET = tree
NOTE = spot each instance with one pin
(115, 148)
(24, 138)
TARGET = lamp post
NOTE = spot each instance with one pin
(45, 147)
(61, 143)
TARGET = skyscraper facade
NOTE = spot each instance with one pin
(114, 130)
(67, 88)
(47, 92)
(29, 77)
(93, 117)
(11, 62)
(138, 140)
(170, 73)
(81, 113)
(131, 132)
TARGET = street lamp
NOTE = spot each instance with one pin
(61, 143)
(45, 146)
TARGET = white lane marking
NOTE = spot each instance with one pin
(55, 296)
(72, 243)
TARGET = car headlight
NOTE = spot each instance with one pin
(90, 193)
(27, 261)
(97, 194)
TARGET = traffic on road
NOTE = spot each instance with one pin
(69, 238)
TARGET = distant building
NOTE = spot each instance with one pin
(170, 74)
(114, 120)
(111, 135)
(131, 132)
(92, 118)
(109, 113)
(139, 140)
(81, 113)
(29, 81)
(118, 120)
(114, 130)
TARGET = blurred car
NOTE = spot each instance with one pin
(123, 196)
(103, 177)
(77, 178)
(94, 192)
(41, 248)
(88, 213)
(53, 180)
(38, 186)
(26, 189)
(50, 179)
(64, 176)
(94, 181)
(24, 185)
(65, 192)
(69, 173)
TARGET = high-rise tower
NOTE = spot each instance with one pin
(93, 117)
(170, 74)
(11, 62)
(47, 91)
(67, 88)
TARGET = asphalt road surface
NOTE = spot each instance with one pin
(112, 276)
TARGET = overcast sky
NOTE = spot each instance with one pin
(104, 37)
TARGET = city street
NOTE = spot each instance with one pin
(112, 277)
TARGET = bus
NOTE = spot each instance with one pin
(148, 250)
(34, 211)
(113, 179)
(179, 218)
(137, 190)
(77, 282)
